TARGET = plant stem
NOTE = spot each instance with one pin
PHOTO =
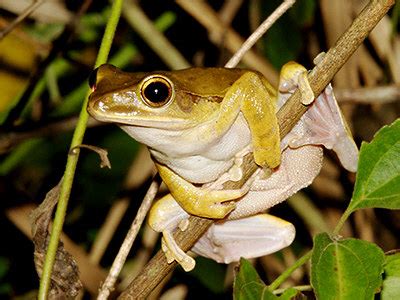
(300, 288)
(285, 275)
(342, 220)
(72, 159)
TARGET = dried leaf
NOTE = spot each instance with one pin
(103, 154)
(65, 283)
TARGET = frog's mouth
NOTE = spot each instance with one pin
(134, 119)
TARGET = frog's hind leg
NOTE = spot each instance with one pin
(323, 124)
(250, 237)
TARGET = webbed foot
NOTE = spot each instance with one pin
(324, 125)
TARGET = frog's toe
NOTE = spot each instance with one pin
(294, 75)
(307, 94)
(214, 204)
(220, 210)
(174, 252)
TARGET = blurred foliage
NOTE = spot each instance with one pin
(281, 46)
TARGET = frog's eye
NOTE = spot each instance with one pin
(156, 91)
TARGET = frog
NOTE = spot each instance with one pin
(199, 124)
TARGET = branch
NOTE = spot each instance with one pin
(256, 35)
(208, 18)
(26, 13)
(288, 116)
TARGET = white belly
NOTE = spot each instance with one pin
(195, 161)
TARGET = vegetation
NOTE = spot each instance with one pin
(347, 228)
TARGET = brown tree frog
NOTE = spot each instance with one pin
(198, 124)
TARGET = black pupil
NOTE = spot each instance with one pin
(157, 92)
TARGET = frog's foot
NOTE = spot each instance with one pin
(174, 252)
(235, 173)
(293, 76)
(208, 203)
(198, 201)
(320, 56)
(165, 216)
(323, 124)
(250, 237)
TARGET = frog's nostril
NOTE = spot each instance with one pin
(93, 79)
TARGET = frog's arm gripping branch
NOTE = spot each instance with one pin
(288, 116)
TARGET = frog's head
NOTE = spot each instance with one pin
(174, 100)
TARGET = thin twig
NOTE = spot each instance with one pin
(369, 95)
(300, 288)
(107, 230)
(153, 37)
(103, 154)
(288, 116)
(8, 140)
(26, 13)
(260, 31)
(281, 278)
(207, 17)
(126, 246)
(229, 10)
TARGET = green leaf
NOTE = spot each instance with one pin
(249, 286)
(391, 283)
(378, 176)
(345, 269)
(303, 12)
(279, 46)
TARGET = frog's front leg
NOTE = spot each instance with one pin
(251, 95)
(293, 76)
(202, 202)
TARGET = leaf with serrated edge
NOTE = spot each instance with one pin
(345, 269)
(391, 283)
(378, 175)
(249, 286)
